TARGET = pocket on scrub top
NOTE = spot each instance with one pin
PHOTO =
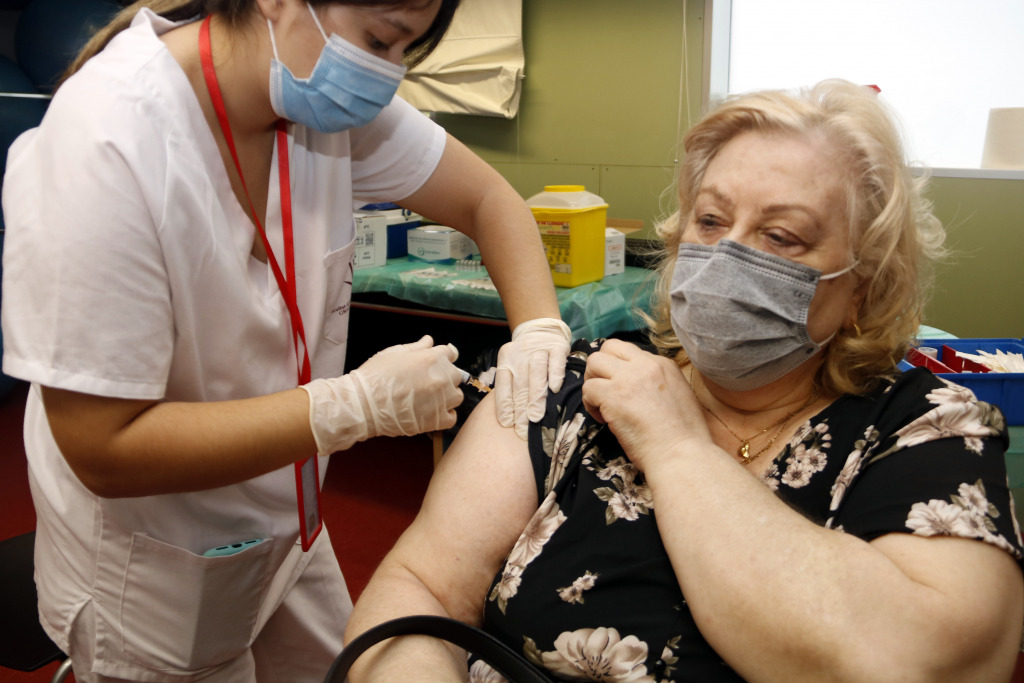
(338, 271)
(183, 612)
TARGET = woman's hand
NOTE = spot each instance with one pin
(644, 399)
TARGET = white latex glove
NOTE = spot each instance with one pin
(527, 366)
(402, 390)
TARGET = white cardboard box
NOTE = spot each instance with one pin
(371, 241)
(437, 244)
(614, 252)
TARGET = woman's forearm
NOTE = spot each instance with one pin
(774, 592)
(527, 291)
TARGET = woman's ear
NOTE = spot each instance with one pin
(271, 9)
(856, 302)
(860, 293)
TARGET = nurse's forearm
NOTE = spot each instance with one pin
(511, 247)
(124, 448)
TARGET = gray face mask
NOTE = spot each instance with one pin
(741, 314)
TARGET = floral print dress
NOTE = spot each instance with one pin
(588, 592)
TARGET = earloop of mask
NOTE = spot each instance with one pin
(273, 43)
(316, 20)
(845, 270)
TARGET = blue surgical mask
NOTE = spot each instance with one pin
(347, 89)
(741, 314)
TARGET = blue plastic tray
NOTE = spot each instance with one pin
(1004, 389)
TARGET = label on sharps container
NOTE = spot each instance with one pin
(555, 237)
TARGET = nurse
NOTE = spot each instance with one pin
(177, 279)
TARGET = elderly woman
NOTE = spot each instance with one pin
(766, 497)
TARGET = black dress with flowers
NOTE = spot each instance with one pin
(588, 592)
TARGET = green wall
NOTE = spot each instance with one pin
(601, 101)
(979, 291)
(606, 98)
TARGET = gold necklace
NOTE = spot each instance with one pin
(744, 450)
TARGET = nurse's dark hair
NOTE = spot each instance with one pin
(234, 12)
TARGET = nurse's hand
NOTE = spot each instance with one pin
(527, 366)
(400, 391)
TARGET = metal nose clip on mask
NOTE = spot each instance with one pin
(347, 89)
(741, 314)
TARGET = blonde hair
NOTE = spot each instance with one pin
(894, 235)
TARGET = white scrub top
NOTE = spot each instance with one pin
(127, 273)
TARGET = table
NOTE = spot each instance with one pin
(1015, 468)
(1015, 459)
(594, 310)
(448, 291)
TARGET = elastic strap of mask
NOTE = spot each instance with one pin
(825, 341)
(273, 43)
(836, 274)
(317, 21)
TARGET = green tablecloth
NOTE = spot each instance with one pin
(593, 310)
(1015, 459)
(1015, 469)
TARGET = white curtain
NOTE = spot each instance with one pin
(477, 68)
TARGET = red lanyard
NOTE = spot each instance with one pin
(307, 478)
(285, 281)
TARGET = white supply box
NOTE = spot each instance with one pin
(614, 252)
(371, 241)
(437, 244)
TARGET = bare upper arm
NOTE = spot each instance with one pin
(479, 501)
(976, 612)
(85, 425)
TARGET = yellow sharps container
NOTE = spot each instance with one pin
(572, 227)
